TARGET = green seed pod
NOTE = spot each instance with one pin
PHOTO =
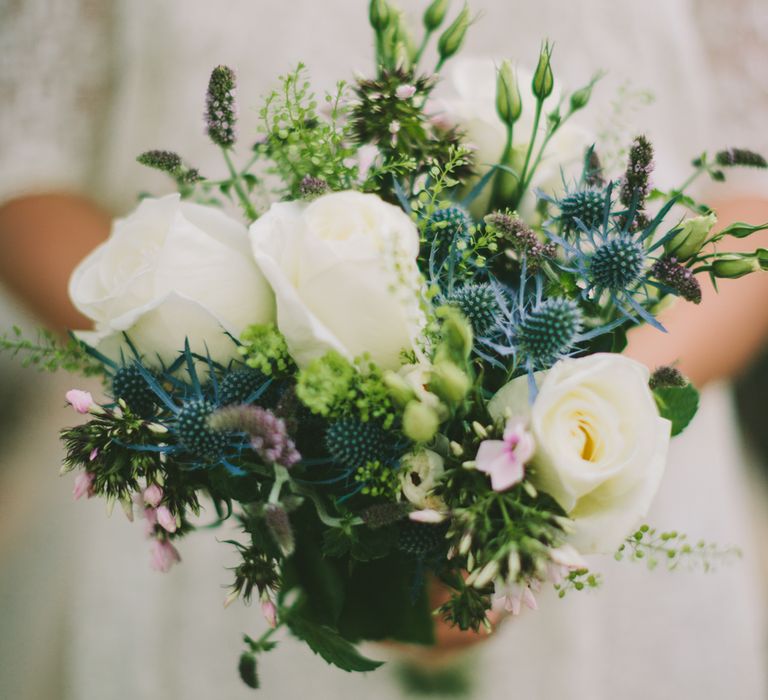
(734, 265)
(691, 238)
(435, 14)
(509, 104)
(453, 37)
(543, 80)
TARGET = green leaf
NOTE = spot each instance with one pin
(677, 404)
(327, 642)
(247, 669)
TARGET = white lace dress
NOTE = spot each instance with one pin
(85, 87)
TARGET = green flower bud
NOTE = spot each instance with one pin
(689, 240)
(379, 14)
(435, 14)
(543, 80)
(762, 258)
(456, 332)
(420, 422)
(509, 104)
(742, 230)
(449, 382)
(734, 265)
(580, 98)
(399, 389)
(453, 37)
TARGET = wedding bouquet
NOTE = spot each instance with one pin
(401, 362)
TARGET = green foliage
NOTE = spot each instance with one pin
(264, 348)
(301, 142)
(48, 354)
(673, 550)
(248, 670)
(327, 642)
(677, 404)
(380, 481)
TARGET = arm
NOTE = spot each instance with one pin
(42, 238)
(719, 337)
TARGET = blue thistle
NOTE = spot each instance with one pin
(238, 386)
(421, 539)
(587, 206)
(196, 435)
(478, 303)
(617, 264)
(446, 227)
(128, 384)
(549, 331)
(352, 443)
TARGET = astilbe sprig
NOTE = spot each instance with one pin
(48, 353)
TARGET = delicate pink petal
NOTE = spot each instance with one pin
(94, 454)
(404, 92)
(166, 519)
(163, 555)
(427, 515)
(153, 494)
(83, 485)
(81, 401)
(269, 611)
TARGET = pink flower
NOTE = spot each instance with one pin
(83, 485)
(427, 515)
(163, 555)
(269, 611)
(81, 401)
(515, 596)
(153, 494)
(150, 514)
(504, 460)
(166, 519)
(405, 92)
(94, 454)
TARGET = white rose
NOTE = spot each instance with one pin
(471, 103)
(171, 270)
(419, 473)
(344, 273)
(601, 445)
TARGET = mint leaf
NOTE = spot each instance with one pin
(677, 404)
(327, 642)
(247, 669)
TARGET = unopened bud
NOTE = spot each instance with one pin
(543, 80)
(456, 449)
(480, 431)
(487, 574)
(449, 382)
(581, 97)
(399, 389)
(509, 104)
(420, 422)
(513, 565)
(453, 37)
(742, 230)
(465, 543)
(690, 239)
(733, 265)
(379, 14)
(434, 15)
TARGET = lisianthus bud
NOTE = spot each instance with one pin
(581, 97)
(420, 422)
(691, 237)
(734, 265)
(509, 104)
(543, 80)
(435, 14)
(379, 14)
(449, 382)
(453, 37)
(742, 230)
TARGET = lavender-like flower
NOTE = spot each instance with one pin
(637, 179)
(520, 237)
(666, 376)
(220, 114)
(668, 271)
(311, 187)
(279, 526)
(268, 433)
(740, 156)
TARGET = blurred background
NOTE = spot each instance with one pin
(86, 85)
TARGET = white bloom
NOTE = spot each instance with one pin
(171, 270)
(344, 273)
(420, 472)
(471, 103)
(602, 446)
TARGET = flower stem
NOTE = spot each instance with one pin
(534, 133)
(250, 212)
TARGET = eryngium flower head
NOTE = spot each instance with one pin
(478, 303)
(668, 271)
(195, 433)
(587, 206)
(268, 433)
(383, 514)
(421, 539)
(352, 443)
(666, 376)
(238, 385)
(549, 330)
(220, 114)
(129, 384)
(616, 264)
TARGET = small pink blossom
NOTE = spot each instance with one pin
(269, 611)
(83, 485)
(150, 515)
(515, 596)
(94, 454)
(427, 515)
(405, 92)
(153, 494)
(166, 519)
(504, 460)
(81, 401)
(163, 555)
